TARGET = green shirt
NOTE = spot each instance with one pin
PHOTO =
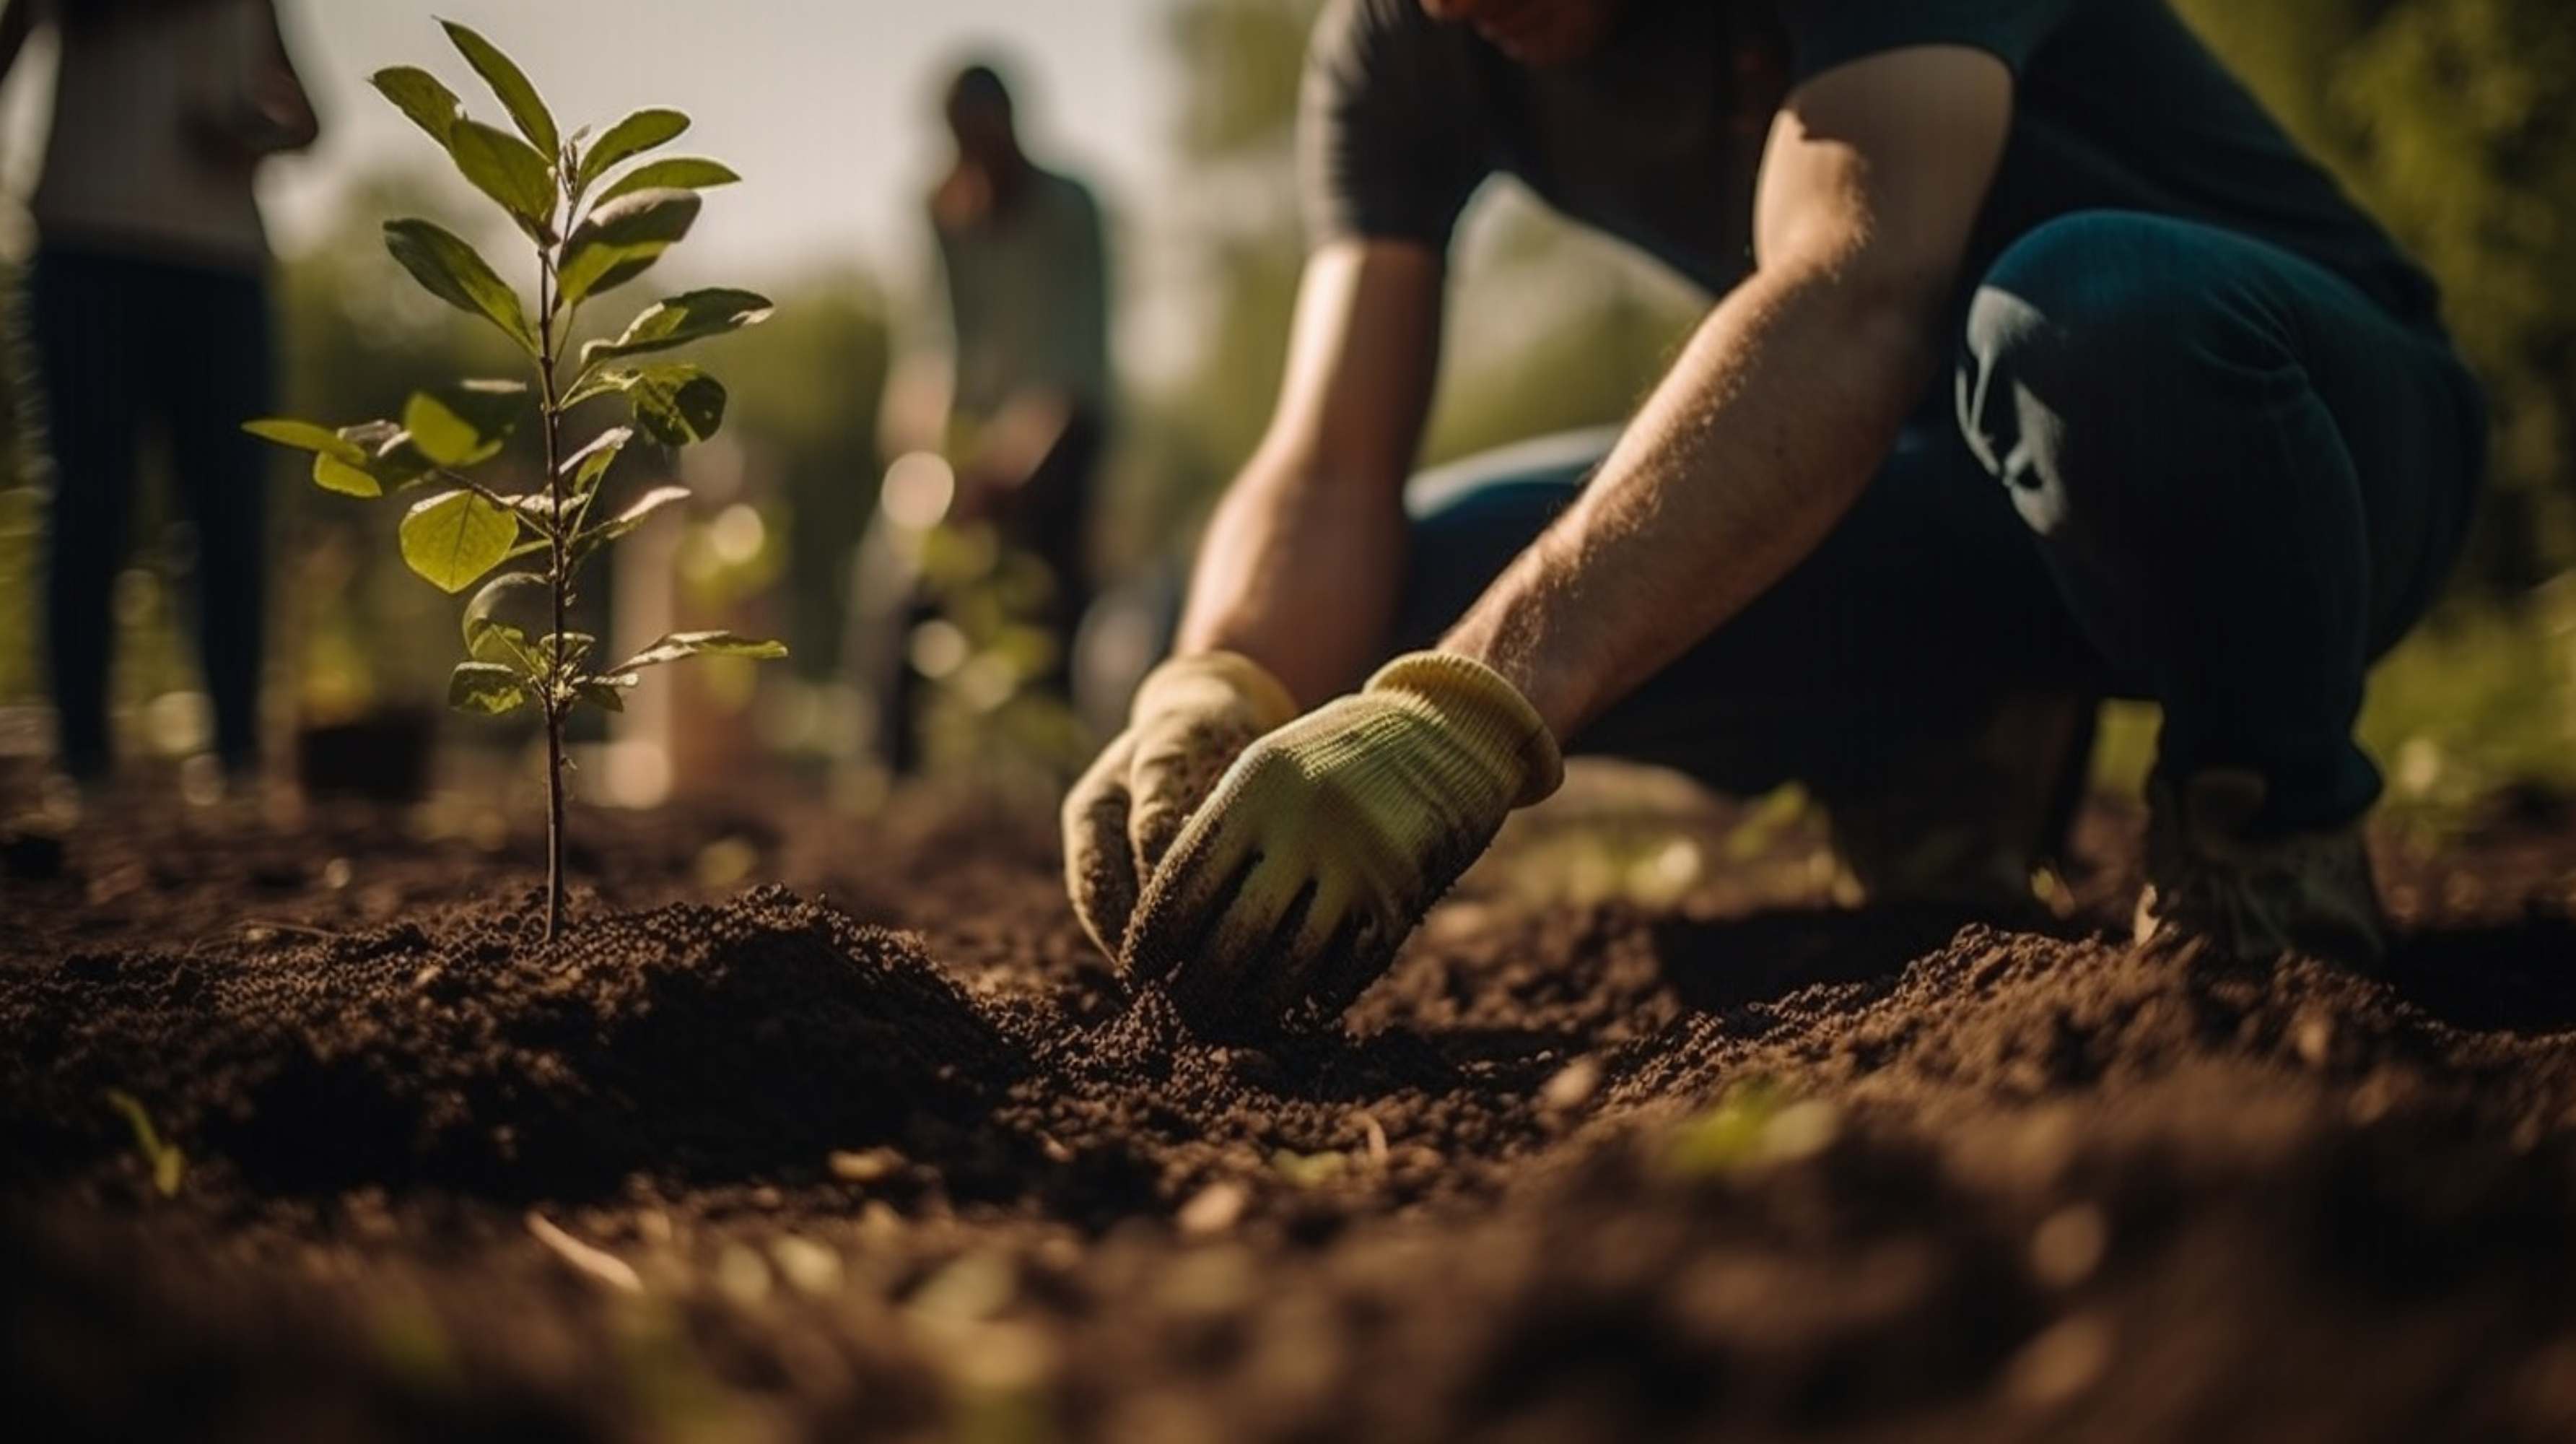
(1028, 298)
(1656, 138)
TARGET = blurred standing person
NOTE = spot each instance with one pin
(1024, 260)
(148, 304)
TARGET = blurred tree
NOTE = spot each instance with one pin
(806, 390)
(2447, 118)
(1233, 217)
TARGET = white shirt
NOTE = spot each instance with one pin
(138, 159)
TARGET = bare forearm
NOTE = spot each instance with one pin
(1753, 447)
(17, 21)
(1301, 565)
(1301, 578)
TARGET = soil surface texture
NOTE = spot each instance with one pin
(820, 1127)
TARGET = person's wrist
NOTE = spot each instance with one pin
(1197, 678)
(1485, 708)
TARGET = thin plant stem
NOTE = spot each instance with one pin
(555, 697)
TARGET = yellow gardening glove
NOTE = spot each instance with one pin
(1190, 718)
(1328, 840)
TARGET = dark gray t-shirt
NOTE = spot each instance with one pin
(1656, 137)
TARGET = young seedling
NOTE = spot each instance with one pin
(169, 1164)
(596, 214)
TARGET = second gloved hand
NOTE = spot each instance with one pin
(1329, 839)
(1191, 717)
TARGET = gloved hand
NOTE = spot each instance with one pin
(1329, 838)
(1190, 718)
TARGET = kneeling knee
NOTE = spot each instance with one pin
(2103, 300)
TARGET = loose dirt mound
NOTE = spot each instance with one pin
(704, 1043)
(884, 1153)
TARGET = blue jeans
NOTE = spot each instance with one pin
(125, 347)
(2229, 482)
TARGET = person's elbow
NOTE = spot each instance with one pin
(1883, 302)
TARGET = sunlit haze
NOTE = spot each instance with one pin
(827, 107)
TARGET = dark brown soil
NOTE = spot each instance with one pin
(822, 1128)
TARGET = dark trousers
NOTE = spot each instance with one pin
(2229, 482)
(126, 346)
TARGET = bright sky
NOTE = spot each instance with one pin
(828, 108)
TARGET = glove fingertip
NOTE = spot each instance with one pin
(1361, 953)
(1171, 789)
(1182, 921)
(1157, 930)
(1099, 873)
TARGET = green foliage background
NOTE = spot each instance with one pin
(2448, 118)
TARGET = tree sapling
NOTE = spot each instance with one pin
(594, 222)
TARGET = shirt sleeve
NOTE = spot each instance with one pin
(1822, 37)
(1385, 113)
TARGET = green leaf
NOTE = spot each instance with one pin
(465, 423)
(606, 693)
(339, 464)
(502, 645)
(456, 536)
(536, 506)
(302, 435)
(332, 474)
(387, 455)
(681, 172)
(353, 460)
(675, 645)
(678, 403)
(566, 649)
(168, 1162)
(487, 688)
(510, 84)
(1756, 1123)
(1309, 1170)
(644, 509)
(621, 238)
(681, 319)
(491, 635)
(455, 273)
(632, 136)
(509, 170)
(418, 94)
(593, 384)
(585, 467)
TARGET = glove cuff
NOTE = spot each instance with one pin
(1185, 683)
(1477, 699)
